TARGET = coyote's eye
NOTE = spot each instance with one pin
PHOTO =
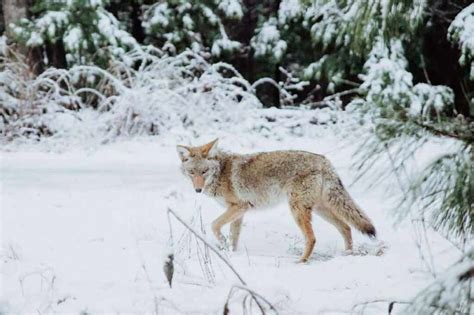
(191, 172)
(205, 171)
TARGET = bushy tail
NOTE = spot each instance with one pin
(342, 203)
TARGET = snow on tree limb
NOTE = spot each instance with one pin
(461, 32)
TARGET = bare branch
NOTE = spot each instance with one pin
(211, 247)
(255, 295)
(326, 100)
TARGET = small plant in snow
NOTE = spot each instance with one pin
(29, 105)
(180, 94)
(168, 268)
(165, 92)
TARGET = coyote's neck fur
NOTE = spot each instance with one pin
(212, 189)
(220, 184)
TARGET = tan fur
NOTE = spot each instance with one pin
(307, 180)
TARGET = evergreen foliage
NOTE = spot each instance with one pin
(196, 24)
(461, 32)
(88, 33)
(451, 293)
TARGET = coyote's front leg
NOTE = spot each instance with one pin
(234, 212)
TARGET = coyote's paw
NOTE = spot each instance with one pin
(223, 244)
(302, 261)
(226, 245)
(218, 245)
(348, 252)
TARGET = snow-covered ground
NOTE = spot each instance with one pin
(87, 230)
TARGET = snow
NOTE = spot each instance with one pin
(3, 45)
(289, 10)
(210, 15)
(448, 289)
(159, 16)
(388, 83)
(109, 28)
(314, 69)
(431, 97)
(65, 24)
(267, 42)
(35, 39)
(461, 31)
(224, 44)
(72, 39)
(51, 22)
(231, 8)
(86, 230)
(188, 22)
(96, 3)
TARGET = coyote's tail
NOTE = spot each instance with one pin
(343, 205)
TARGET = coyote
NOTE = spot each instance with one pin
(245, 181)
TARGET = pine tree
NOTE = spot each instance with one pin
(177, 25)
(406, 115)
(83, 29)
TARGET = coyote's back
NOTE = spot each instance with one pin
(265, 177)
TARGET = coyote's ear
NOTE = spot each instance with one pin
(183, 152)
(210, 149)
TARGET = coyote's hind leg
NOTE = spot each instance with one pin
(339, 224)
(235, 228)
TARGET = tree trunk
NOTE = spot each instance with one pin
(137, 29)
(2, 22)
(56, 54)
(13, 11)
(442, 57)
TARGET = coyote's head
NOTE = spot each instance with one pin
(199, 164)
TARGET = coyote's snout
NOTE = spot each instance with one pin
(244, 181)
